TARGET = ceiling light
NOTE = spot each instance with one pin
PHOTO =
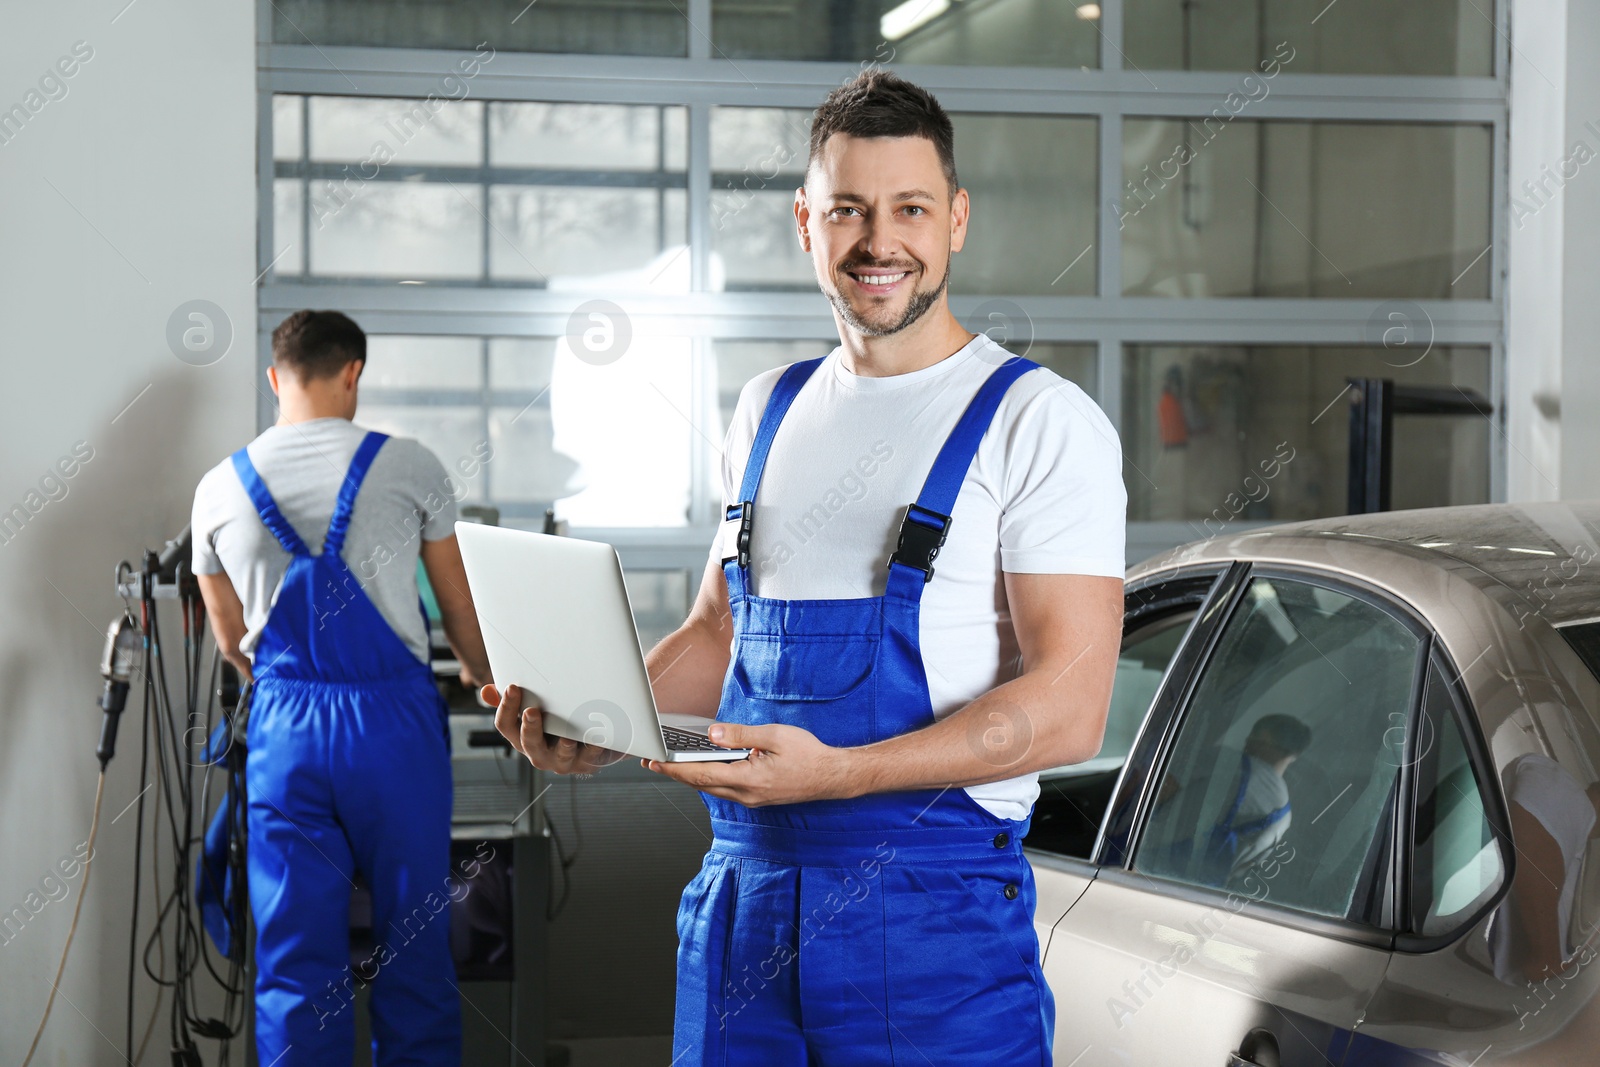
(911, 15)
(1088, 12)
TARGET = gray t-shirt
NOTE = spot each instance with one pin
(407, 497)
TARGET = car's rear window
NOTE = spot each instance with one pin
(1584, 637)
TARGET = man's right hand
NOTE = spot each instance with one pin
(560, 755)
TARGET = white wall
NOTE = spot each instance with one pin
(1553, 295)
(1580, 349)
(130, 195)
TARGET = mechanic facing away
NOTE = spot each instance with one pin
(902, 673)
(305, 545)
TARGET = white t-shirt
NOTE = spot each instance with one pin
(1264, 793)
(1044, 496)
(406, 498)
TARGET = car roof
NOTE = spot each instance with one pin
(1545, 555)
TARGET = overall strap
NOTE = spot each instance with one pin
(927, 522)
(266, 507)
(742, 510)
(1266, 821)
(1238, 797)
(339, 525)
(1256, 825)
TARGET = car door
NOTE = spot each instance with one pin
(1158, 614)
(1243, 905)
(1467, 984)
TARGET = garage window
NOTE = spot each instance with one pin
(1283, 779)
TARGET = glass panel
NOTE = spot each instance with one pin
(603, 136)
(753, 242)
(1457, 859)
(540, 231)
(286, 127)
(395, 362)
(1228, 207)
(398, 230)
(610, 443)
(1584, 639)
(1282, 778)
(758, 159)
(288, 207)
(1146, 653)
(533, 471)
(637, 28)
(521, 362)
(660, 601)
(1002, 33)
(750, 146)
(736, 362)
(1077, 363)
(1311, 36)
(1032, 181)
(520, 372)
(675, 138)
(1212, 434)
(454, 434)
(606, 445)
(376, 133)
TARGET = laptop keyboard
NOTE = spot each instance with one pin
(684, 741)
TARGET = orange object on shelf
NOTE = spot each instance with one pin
(1170, 421)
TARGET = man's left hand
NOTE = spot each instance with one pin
(788, 766)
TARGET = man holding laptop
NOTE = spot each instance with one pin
(901, 663)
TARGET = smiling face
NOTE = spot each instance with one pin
(878, 218)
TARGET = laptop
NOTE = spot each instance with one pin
(556, 622)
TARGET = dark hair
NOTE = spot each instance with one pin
(880, 103)
(317, 344)
(1284, 732)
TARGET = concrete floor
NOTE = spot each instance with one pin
(618, 1052)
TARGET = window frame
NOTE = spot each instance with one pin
(1132, 805)
(1495, 809)
(703, 80)
(1126, 812)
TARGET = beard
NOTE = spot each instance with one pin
(921, 300)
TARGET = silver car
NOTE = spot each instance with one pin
(1345, 812)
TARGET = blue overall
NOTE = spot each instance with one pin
(893, 928)
(348, 769)
(1223, 851)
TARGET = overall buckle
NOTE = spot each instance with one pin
(922, 534)
(744, 514)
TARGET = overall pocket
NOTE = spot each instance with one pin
(803, 669)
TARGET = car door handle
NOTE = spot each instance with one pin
(1258, 1049)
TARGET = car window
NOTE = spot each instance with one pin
(1283, 775)
(1584, 637)
(1146, 653)
(1073, 799)
(1457, 864)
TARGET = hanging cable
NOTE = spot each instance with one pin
(170, 733)
(83, 889)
